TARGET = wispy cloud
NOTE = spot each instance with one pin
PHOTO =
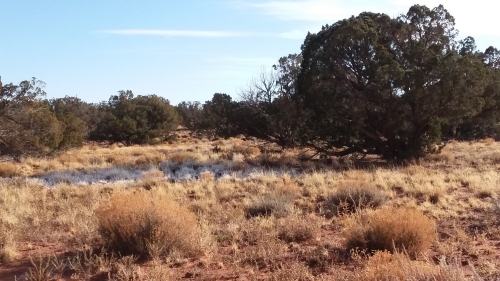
(176, 33)
(308, 10)
(293, 34)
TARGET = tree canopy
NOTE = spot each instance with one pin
(381, 85)
(139, 120)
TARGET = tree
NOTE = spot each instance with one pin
(379, 85)
(218, 117)
(139, 120)
(267, 110)
(86, 112)
(27, 126)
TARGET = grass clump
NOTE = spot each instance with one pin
(297, 228)
(390, 229)
(147, 224)
(278, 205)
(7, 170)
(348, 199)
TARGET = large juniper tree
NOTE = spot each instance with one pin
(382, 85)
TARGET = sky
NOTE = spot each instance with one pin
(183, 50)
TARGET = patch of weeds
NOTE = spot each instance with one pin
(278, 205)
(350, 198)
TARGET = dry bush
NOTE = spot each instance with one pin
(265, 252)
(96, 161)
(45, 268)
(292, 271)
(118, 159)
(86, 264)
(182, 157)
(384, 265)
(153, 174)
(352, 196)
(239, 166)
(274, 160)
(150, 159)
(7, 170)
(399, 267)
(444, 156)
(494, 157)
(246, 150)
(207, 176)
(278, 205)
(391, 228)
(125, 269)
(487, 140)
(136, 222)
(8, 248)
(158, 272)
(296, 228)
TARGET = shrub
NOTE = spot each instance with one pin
(292, 271)
(182, 157)
(441, 157)
(400, 267)
(279, 205)
(356, 196)
(390, 229)
(388, 266)
(8, 169)
(239, 166)
(297, 228)
(487, 140)
(134, 223)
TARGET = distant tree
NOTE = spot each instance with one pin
(87, 112)
(378, 85)
(136, 120)
(27, 126)
(218, 117)
(267, 110)
(191, 114)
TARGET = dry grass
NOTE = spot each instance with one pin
(399, 267)
(298, 228)
(8, 169)
(268, 226)
(355, 195)
(391, 228)
(278, 205)
(147, 224)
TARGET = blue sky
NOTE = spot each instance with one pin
(183, 50)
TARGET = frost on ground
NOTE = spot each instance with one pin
(172, 171)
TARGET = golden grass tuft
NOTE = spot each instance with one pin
(239, 166)
(182, 157)
(141, 223)
(292, 271)
(354, 195)
(278, 205)
(8, 169)
(297, 228)
(487, 140)
(8, 248)
(444, 156)
(384, 265)
(207, 176)
(390, 229)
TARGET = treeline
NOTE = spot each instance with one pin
(369, 84)
(32, 125)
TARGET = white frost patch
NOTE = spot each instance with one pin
(173, 171)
